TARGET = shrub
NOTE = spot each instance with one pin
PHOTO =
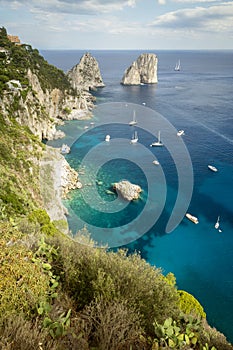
(39, 216)
(22, 283)
(113, 325)
(190, 305)
(90, 274)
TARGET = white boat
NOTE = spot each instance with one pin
(177, 67)
(107, 138)
(180, 133)
(213, 168)
(155, 162)
(134, 121)
(134, 137)
(192, 218)
(157, 143)
(217, 223)
(65, 149)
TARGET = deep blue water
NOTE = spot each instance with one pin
(199, 100)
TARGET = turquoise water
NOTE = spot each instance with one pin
(199, 100)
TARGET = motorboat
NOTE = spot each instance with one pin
(213, 168)
(65, 149)
(192, 218)
(180, 133)
(107, 138)
(157, 143)
(155, 162)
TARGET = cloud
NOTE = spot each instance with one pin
(161, 2)
(216, 18)
(195, 1)
(84, 7)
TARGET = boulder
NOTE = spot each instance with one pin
(142, 71)
(127, 190)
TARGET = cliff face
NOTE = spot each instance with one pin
(41, 110)
(86, 74)
(142, 71)
(35, 93)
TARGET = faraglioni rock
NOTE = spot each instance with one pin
(127, 190)
(142, 71)
(86, 74)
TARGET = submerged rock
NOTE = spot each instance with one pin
(127, 190)
(142, 71)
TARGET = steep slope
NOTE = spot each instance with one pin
(54, 292)
(34, 92)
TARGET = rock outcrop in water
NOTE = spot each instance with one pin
(86, 74)
(142, 71)
(127, 190)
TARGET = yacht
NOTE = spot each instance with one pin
(157, 143)
(134, 137)
(134, 121)
(192, 218)
(65, 149)
(217, 223)
(177, 67)
(180, 133)
(213, 168)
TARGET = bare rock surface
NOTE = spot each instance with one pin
(86, 73)
(142, 71)
(127, 190)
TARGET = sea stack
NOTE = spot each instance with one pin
(86, 74)
(142, 71)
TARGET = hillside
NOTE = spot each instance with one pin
(54, 292)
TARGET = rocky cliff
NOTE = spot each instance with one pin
(142, 71)
(86, 74)
(41, 110)
(37, 94)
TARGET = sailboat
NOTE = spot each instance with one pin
(134, 121)
(217, 223)
(177, 67)
(157, 143)
(134, 137)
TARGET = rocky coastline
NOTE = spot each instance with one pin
(57, 179)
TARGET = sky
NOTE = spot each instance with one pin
(120, 24)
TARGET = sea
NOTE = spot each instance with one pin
(197, 99)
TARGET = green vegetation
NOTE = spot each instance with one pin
(19, 172)
(56, 293)
(15, 63)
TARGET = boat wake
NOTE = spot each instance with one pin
(217, 133)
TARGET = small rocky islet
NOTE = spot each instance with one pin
(127, 190)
